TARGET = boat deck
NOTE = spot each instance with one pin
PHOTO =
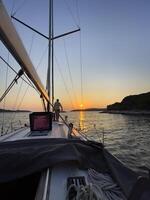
(57, 176)
(52, 183)
(59, 130)
(58, 179)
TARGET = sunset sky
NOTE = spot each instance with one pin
(115, 51)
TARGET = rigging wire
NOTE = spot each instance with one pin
(32, 40)
(69, 71)
(29, 82)
(15, 13)
(77, 22)
(20, 103)
(15, 105)
(17, 72)
(81, 59)
(17, 9)
(20, 73)
(65, 85)
(71, 13)
(13, 7)
(16, 108)
(28, 85)
(81, 70)
(29, 51)
(77, 10)
(17, 97)
(2, 128)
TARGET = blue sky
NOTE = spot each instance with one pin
(115, 47)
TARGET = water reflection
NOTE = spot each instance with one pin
(127, 137)
(81, 120)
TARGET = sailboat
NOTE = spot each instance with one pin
(50, 160)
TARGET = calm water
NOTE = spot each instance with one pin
(127, 137)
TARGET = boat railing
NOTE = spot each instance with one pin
(74, 132)
(11, 127)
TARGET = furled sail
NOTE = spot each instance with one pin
(13, 43)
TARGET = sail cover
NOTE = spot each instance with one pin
(13, 43)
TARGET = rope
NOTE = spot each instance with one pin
(100, 187)
(104, 186)
(82, 192)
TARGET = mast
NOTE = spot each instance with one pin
(52, 53)
(49, 57)
(50, 71)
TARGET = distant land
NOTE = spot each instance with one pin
(89, 109)
(5, 110)
(136, 103)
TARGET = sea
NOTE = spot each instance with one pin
(126, 136)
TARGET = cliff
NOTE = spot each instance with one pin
(132, 102)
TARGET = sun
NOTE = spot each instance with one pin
(81, 105)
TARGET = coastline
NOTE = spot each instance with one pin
(89, 109)
(3, 111)
(127, 112)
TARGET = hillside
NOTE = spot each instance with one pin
(132, 102)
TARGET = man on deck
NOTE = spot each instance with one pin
(57, 108)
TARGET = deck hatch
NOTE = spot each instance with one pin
(38, 133)
(73, 183)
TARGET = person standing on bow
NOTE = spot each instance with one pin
(57, 108)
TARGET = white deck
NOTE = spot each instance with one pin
(58, 180)
(59, 130)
